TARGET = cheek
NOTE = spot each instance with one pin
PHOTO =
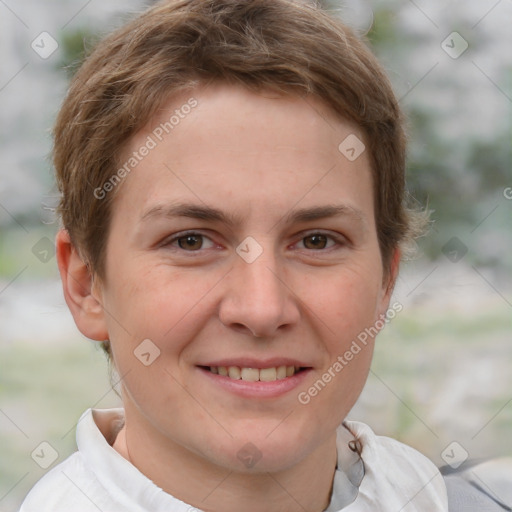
(159, 304)
(346, 301)
(347, 316)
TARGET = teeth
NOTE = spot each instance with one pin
(255, 374)
(234, 372)
(250, 374)
(268, 374)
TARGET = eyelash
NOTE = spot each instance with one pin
(338, 240)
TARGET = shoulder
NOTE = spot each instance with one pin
(480, 485)
(68, 486)
(476, 486)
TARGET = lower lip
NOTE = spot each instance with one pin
(257, 389)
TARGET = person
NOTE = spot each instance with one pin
(233, 219)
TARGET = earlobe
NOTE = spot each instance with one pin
(77, 284)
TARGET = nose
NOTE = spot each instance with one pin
(257, 300)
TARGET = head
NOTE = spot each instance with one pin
(232, 179)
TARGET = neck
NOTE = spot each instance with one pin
(207, 486)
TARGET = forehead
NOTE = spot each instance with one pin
(227, 145)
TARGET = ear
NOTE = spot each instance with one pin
(79, 292)
(388, 284)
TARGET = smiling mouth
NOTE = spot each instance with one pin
(255, 374)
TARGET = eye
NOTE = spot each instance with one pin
(193, 241)
(189, 242)
(320, 241)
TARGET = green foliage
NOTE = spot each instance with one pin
(383, 30)
(75, 45)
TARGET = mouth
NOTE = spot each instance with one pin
(254, 379)
(249, 374)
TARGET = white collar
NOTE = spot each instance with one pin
(397, 477)
(390, 477)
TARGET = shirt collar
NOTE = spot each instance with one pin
(396, 476)
(372, 473)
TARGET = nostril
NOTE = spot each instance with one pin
(243, 328)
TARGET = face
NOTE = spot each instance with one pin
(244, 243)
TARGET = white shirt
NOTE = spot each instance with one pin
(383, 475)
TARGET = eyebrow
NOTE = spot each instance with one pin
(208, 213)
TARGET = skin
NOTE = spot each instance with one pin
(259, 157)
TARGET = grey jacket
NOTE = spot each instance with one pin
(480, 486)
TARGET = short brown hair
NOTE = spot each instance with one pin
(280, 45)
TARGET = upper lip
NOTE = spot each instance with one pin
(249, 362)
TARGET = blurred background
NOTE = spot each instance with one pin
(442, 374)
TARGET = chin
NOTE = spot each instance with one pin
(259, 450)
